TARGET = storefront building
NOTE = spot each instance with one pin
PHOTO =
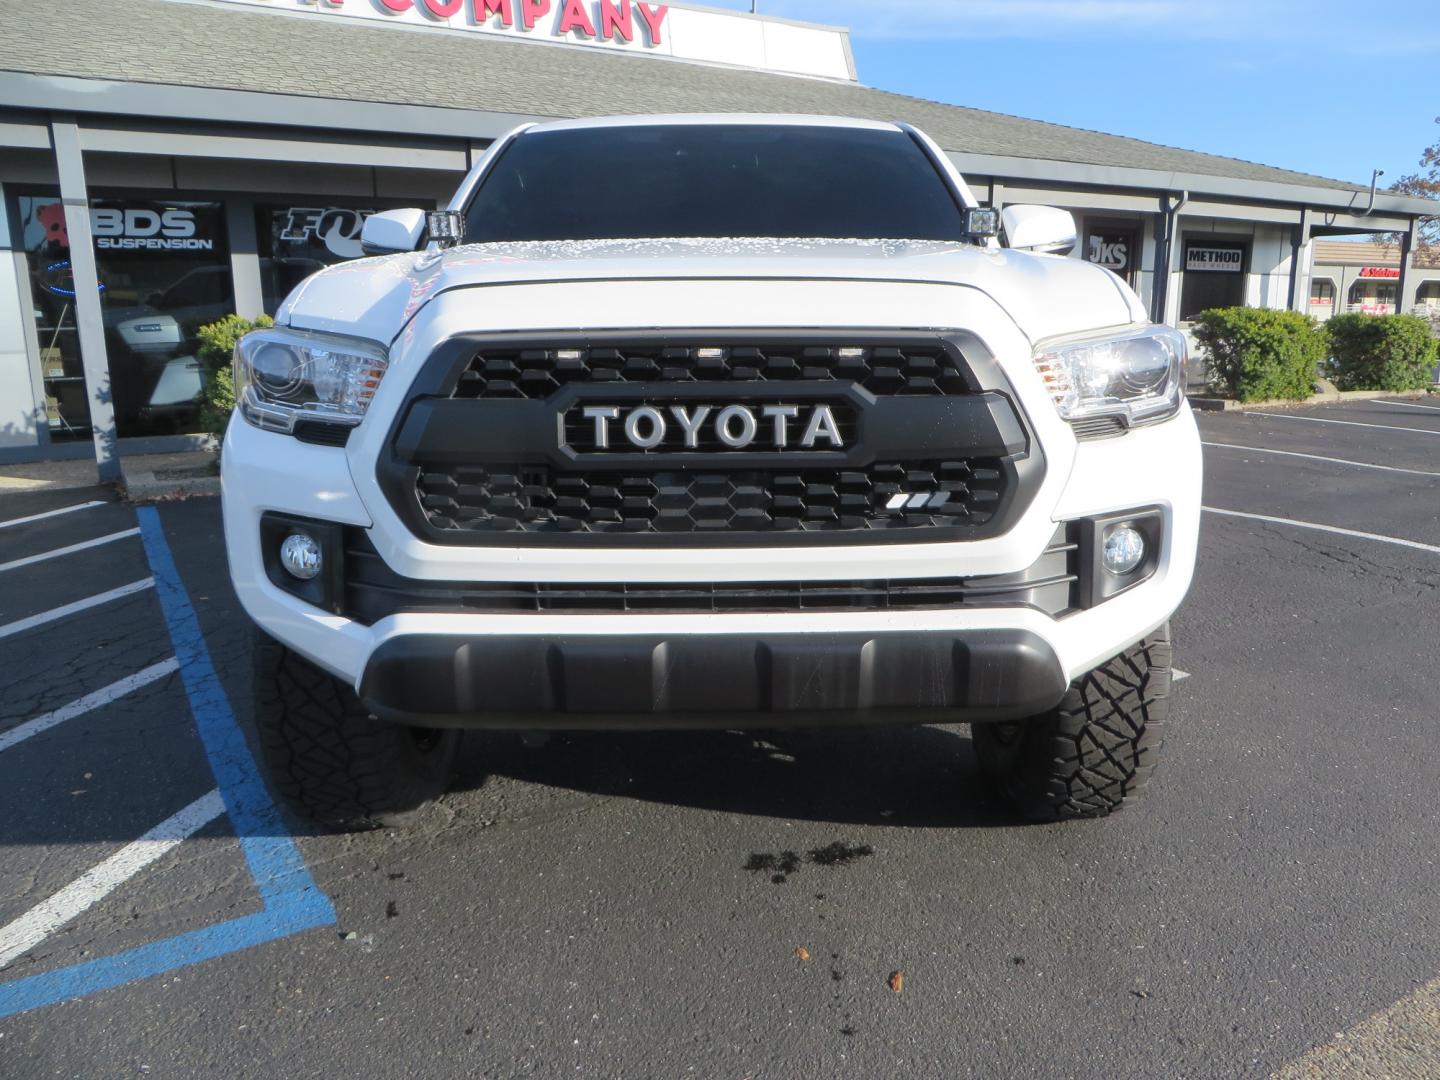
(1364, 277)
(172, 161)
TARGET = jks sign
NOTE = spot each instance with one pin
(1111, 252)
(1114, 249)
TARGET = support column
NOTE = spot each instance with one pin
(89, 316)
(1167, 226)
(1300, 282)
(1404, 302)
(1160, 272)
(244, 257)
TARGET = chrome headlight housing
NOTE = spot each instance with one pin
(283, 375)
(1138, 376)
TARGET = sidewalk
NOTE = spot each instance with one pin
(47, 476)
(147, 477)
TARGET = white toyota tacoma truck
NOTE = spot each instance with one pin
(711, 422)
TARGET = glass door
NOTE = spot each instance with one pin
(46, 243)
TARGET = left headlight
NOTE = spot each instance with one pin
(282, 376)
(1139, 377)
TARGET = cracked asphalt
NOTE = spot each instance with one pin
(729, 906)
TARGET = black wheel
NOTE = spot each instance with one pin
(329, 759)
(1095, 751)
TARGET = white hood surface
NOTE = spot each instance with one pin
(1045, 295)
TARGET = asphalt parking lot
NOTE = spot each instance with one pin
(632, 906)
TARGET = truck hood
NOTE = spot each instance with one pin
(1045, 295)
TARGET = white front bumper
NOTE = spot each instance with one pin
(1156, 466)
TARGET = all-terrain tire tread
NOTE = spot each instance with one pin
(327, 757)
(1097, 750)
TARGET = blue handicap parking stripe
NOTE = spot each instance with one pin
(292, 900)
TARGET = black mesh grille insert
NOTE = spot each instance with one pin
(373, 591)
(893, 495)
(538, 373)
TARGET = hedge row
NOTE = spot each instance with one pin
(1381, 352)
(1258, 354)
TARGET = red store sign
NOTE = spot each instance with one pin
(606, 20)
(1392, 272)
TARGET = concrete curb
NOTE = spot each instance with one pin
(169, 477)
(1329, 397)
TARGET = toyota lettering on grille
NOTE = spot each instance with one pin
(693, 427)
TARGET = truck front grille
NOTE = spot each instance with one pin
(895, 495)
(883, 370)
(498, 445)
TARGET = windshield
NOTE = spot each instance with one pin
(713, 180)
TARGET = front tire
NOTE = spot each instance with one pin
(333, 762)
(1095, 751)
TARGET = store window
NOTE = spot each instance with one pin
(1322, 298)
(1370, 297)
(297, 240)
(1116, 249)
(1214, 277)
(164, 271)
(1428, 297)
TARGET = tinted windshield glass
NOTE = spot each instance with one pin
(713, 181)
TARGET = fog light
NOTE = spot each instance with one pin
(300, 555)
(1124, 549)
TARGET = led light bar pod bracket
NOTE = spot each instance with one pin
(982, 223)
(445, 227)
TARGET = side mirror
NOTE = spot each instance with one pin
(392, 230)
(1043, 229)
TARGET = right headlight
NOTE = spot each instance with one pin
(284, 375)
(1139, 376)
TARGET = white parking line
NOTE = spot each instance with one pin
(31, 560)
(1410, 405)
(80, 706)
(1324, 528)
(21, 625)
(1313, 457)
(1177, 675)
(51, 513)
(30, 929)
(1344, 423)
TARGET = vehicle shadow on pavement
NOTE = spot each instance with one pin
(900, 776)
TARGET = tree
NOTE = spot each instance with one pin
(1425, 184)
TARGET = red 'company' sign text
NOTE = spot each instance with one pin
(1380, 272)
(612, 20)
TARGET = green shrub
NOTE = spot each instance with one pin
(217, 346)
(1381, 352)
(1258, 354)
